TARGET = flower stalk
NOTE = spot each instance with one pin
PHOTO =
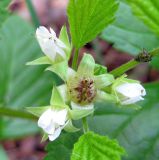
(131, 64)
(85, 125)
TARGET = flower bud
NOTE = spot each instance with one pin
(129, 93)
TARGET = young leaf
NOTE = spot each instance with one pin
(87, 18)
(147, 11)
(91, 146)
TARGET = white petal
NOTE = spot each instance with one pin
(56, 134)
(60, 43)
(60, 51)
(42, 32)
(82, 107)
(60, 117)
(131, 90)
(132, 100)
(45, 119)
(48, 47)
(53, 33)
(50, 129)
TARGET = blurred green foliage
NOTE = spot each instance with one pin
(23, 86)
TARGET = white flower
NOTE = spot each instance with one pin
(130, 93)
(52, 122)
(49, 43)
(83, 88)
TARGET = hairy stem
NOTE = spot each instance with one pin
(85, 125)
(131, 64)
(16, 114)
(124, 68)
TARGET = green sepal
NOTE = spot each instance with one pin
(65, 39)
(37, 111)
(76, 114)
(103, 96)
(63, 92)
(103, 80)
(44, 138)
(99, 69)
(132, 106)
(70, 128)
(86, 66)
(56, 100)
(60, 69)
(122, 80)
(40, 61)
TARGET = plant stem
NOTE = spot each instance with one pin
(131, 64)
(124, 68)
(17, 114)
(85, 125)
(75, 59)
(33, 14)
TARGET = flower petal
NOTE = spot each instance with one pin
(42, 32)
(45, 119)
(60, 117)
(60, 43)
(132, 100)
(82, 107)
(86, 66)
(131, 90)
(56, 134)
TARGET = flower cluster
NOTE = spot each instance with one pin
(83, 87)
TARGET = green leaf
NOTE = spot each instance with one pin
(61, 148)
(4, 11)
(148, 12)
(3, 154)
(136, 130)
(87, 18)
(129, 38)
(92, 146)
(21, 86)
